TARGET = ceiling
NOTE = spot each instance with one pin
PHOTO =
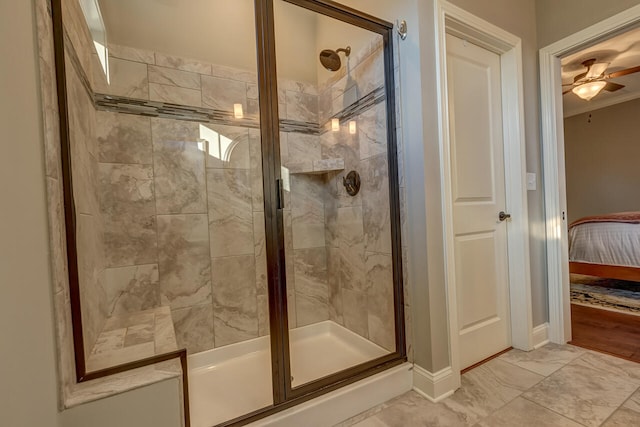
(621, 51)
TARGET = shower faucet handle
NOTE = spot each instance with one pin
(351, 183)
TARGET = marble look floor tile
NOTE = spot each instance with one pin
(623, 417)
(364, 416)
(489, 387)
(587, 390)
(521, 412)
(545, 360)
(624, 369)
(633, 402)
(414, 410)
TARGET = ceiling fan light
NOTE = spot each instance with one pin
(587, 91)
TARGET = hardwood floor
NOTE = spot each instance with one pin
(606, 331)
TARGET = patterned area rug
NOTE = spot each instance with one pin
(608, 294)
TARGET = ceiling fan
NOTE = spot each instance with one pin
(588, 84)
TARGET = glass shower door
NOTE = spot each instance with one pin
(338, 210)
(169, 193)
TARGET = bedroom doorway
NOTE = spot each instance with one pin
(556, 181)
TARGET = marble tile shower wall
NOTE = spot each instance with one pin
(183, 201)
(183, 220)
(338, 247)
(358, 229)
(90, 232)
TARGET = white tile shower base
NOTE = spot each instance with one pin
(230, 381)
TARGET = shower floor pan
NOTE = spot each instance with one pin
(230, 381)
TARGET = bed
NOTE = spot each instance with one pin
(606, 246)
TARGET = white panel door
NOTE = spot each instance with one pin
(478, 196)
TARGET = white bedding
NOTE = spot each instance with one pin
(611, 243)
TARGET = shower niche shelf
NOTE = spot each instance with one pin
(316, 167)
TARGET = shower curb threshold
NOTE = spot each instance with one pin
(342, 404)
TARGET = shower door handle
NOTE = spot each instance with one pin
(280, 193)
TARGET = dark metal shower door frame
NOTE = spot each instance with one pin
(284, 394)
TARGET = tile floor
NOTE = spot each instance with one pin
(555, 386)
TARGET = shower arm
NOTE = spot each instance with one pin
(347, 51)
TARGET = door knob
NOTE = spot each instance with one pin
(503, 216)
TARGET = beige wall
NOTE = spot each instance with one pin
(601, 160)
(557, 19)
(28, 395)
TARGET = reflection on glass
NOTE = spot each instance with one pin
(167, 168)
(338, 247)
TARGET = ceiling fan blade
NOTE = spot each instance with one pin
(596, 70)
(623, 72)
(566, 92)
(612, 87)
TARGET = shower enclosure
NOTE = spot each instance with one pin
(231, 188)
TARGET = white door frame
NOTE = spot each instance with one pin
(451, 19)
(554, 166)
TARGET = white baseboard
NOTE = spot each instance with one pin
(541, 335)
(436, 386)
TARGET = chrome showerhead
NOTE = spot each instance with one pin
(331, 60)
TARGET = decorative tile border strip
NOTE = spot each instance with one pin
(166, 110)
